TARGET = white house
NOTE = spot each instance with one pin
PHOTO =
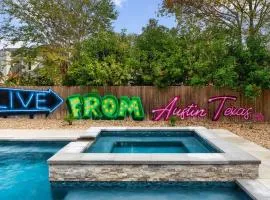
(5, 61)
(9, 65)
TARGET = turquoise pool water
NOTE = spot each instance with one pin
(24, 170)
(150, 142)
(150, 191)
(24, 176)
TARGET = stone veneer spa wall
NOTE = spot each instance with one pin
(152, 172)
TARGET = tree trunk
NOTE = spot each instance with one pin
(251, 19)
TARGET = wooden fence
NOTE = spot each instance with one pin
(153, 97)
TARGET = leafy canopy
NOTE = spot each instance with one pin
(103, 59)
(53, 29)
(244, 17)
(54, 22)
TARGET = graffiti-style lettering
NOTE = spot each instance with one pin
(74, 106)
(93, 106)
(131, 107)
(110, 106)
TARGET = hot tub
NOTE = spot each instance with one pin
(141, 141)
(151, 154)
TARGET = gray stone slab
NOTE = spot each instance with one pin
(116, 159)
(255, 189)
(265, 182)
(264, 171)
(40, 135)
(241, 157)
(223, 133)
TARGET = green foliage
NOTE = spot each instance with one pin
(103, 60)
(172, 121)
(29, 79)
(54, 29)
(207, 58)
(12, 80)
(244, 17)
(158, 57)
(169, 57)
(62, 22)
(236, 54)
(253, 66)
(163, 57)
(252, 90)
(69, 119)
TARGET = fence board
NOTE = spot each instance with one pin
(153, 97)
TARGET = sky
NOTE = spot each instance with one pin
(135, 14)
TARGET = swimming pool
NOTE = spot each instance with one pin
(24, 169)
(149, 191)
(150, 142)
(24, 176)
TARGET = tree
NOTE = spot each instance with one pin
(54, 27)
(165, 57)
(253, 66)
(103, 59)
(158, 56)
(244, 61)
(246, 17)
(207, 57)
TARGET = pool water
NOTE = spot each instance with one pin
(24, 176)
(150, 191)
(149, 147)
(150, 142)
(24, 169)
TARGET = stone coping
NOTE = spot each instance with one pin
(40, 134)
(254, 189)
(73, 152)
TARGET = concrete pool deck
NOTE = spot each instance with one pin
(40, 134)
(260, 185)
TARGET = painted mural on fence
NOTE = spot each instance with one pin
(93, 106)
(194, 110)
(15, 101)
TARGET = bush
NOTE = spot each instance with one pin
(28, 79)
(102, 60)
(172, 121)
(69, 119)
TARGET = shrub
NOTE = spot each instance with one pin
(172, 121)
(69, 119)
